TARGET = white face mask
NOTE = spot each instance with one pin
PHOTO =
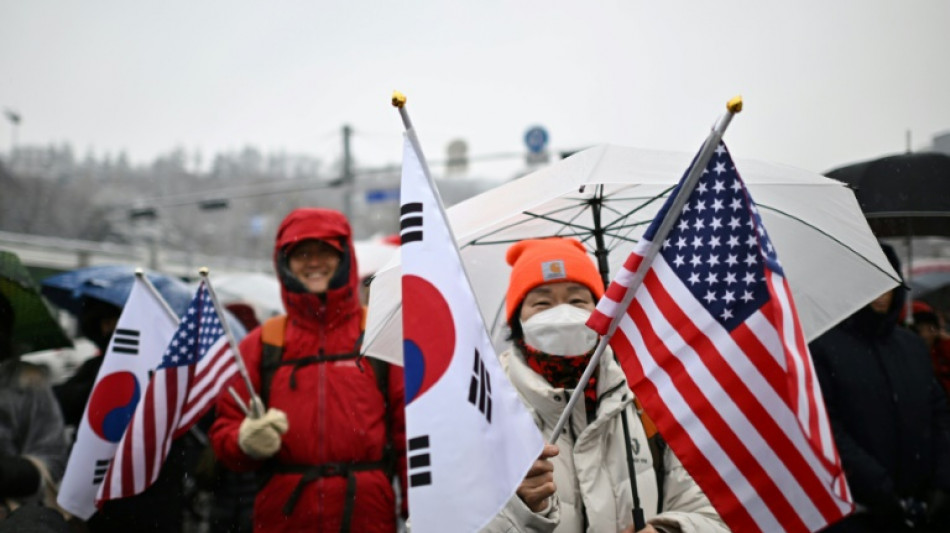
(560, 330)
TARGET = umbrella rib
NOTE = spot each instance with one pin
(640, 207)
(617, 230)
(566, 223)
(530, 214)
(580, 231)
(615, 227)
(481, 241)
(826, 234)
(385, 320)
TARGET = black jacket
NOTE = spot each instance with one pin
(889, 416)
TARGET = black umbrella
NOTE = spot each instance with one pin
(902, 195)
(905, 195)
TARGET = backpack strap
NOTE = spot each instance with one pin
(648, 424)
(381, 371)
(657, 448)
(301, 362)
(272, 350)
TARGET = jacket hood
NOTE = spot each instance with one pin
(342, 295)
(877, 324)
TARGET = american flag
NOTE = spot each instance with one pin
(196, 364)
(712, 347)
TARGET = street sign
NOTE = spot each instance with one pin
(376, 196)
(536, 139)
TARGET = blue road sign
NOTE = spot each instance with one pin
(375, 196)
(536, 139)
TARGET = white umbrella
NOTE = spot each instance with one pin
(261, 291)
(373, 253)
(831, 259)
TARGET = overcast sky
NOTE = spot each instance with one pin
(824, 82)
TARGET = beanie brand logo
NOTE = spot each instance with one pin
(551, 270)
(410, 222)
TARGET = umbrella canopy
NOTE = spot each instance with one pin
(607, 196)
(928, 275)
(34, 326)
(902, 195)
(260, 290)
(112, 284)
(372, 254)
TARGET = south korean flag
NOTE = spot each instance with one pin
(470, 440)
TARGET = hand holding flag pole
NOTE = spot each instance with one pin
(254, 407)
(733, 106)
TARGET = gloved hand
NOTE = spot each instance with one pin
(259, 438)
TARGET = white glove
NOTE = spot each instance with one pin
(259, 438)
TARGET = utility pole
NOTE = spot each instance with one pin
(14, 118)
(348, 177)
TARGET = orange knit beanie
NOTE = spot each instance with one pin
(538, 261)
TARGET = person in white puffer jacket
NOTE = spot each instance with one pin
(582, 484)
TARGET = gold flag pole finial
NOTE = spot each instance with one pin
(399, 102)
(734, 105)
(203, 271)
(399, 99)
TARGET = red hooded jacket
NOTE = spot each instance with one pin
(335, 411)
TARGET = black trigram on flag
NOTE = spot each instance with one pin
(126, 341)
(479, 389)
(410, 222)
(420, 462)
(99, 473)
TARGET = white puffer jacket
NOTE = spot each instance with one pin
(591, 471)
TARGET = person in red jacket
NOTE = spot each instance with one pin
(929, 325)
(329, 441)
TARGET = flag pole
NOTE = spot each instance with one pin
(399, 101)
(255, 401)
(733, 106)
(140, 274)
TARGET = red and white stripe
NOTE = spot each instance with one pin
(214, 370)
(176, 397)
(742, 410)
